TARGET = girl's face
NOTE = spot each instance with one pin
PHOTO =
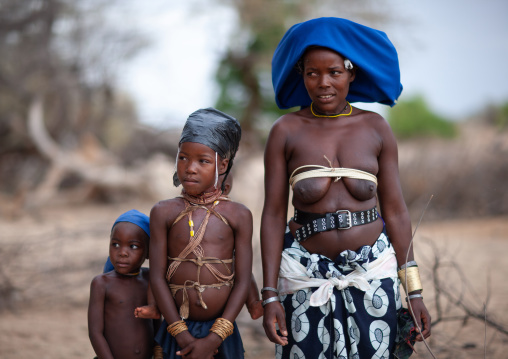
(196, 168)
(326, 80)
(128, 248)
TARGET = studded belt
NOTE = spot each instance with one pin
(313, 223)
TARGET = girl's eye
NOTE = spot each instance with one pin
(134, 246)
(115, 245)
(205, 161)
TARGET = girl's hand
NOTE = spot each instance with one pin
(204, 348)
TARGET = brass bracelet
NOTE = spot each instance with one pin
(157, 352)
(177, 327)
(413, 279)
(222, 327)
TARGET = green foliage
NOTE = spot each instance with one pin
(501, 119)
(413, 118)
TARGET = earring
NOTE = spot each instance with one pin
(216, 171)
(176, 181)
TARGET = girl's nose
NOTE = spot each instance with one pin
(191, 168)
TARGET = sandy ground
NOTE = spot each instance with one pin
(48, 260)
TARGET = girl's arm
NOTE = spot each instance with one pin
(96, 319)
(395, 214)
(273, 222)
(158, 266)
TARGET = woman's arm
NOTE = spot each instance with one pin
(396, 216)
(273, 223)
(158, 266)
(96, 319)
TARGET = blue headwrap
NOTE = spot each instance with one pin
(136, 217)
(371, 52)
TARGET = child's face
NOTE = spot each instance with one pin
(128, 247)
(196, 167)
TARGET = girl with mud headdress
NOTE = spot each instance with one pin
(201, 253)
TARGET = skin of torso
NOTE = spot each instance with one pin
(218, 242)
(127, 336)
(349, 141)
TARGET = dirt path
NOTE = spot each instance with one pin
(52, 257)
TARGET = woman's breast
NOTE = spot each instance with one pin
(312, 190)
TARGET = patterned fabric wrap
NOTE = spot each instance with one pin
(231, 348)
(353, 323)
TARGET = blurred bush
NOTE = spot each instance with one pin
(413, 118)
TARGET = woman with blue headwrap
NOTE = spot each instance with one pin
(330, 274)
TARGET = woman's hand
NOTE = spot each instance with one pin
(421, 316)
(274, 314)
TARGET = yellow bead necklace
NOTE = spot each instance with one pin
(340, 114)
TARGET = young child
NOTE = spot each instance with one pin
(114, 331)
(201, 256)
(253, 302)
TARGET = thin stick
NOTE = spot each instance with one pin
(405, 273)
(485, 334)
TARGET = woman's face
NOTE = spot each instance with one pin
(326, 80)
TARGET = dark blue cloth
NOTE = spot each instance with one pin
(136, 217)
(370, 51)
(353, 324)
(108, 266)
(231, 348)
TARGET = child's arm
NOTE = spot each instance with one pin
(253, 302)
(149, 311)
(241, 223)
(96, 319)
(158, 265)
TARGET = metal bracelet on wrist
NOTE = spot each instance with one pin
(413, 296)
(269, 300)
(271, 289)
(408, 264)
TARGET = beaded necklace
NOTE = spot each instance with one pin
(339, 114)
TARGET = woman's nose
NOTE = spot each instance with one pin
(324, 81)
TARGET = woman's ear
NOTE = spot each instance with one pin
(352, 74)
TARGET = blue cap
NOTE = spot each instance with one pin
(137, 218)
(371, 52)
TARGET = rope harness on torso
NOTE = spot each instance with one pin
(194, 246)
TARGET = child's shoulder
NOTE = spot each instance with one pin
(235, 212)
(102, 279)
(168, 208)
